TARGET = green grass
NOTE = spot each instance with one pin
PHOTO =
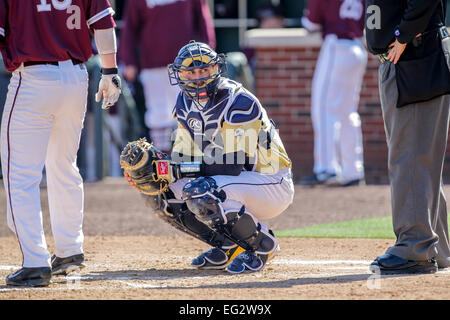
(371, 228)
(375, 228)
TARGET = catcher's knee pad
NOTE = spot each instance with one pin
(204, 198)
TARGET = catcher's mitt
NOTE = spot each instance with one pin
(148, 168)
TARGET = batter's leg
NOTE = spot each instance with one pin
(64, 182)
(26, 125)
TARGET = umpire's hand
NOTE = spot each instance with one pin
(396, 51)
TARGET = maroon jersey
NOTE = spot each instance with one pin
(50, 30)
(160, 28)
(344, 18)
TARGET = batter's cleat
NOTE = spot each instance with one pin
(317, 179)
(30, 277)
(64, 266)
(216, 258)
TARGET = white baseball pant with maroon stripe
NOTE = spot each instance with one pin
(41, 125)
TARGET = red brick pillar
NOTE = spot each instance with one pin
(285, 62)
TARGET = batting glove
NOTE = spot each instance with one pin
(109, 87)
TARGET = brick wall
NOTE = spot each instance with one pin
(285, 62)
(283, 84)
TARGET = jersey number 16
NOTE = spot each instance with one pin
(74, 21)
(58, 4)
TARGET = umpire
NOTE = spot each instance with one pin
(412, 43)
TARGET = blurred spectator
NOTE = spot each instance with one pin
(149, 41)
(226, 9)
(269, 16)
(238, 69)
(242, 65)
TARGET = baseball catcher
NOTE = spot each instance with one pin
(228, 169)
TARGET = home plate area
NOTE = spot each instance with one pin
(157, 268)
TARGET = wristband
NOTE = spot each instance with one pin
(106, 71)
(187, 170)
(189, 167)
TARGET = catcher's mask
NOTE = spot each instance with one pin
(192, 56)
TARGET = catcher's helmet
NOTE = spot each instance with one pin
(192, 56)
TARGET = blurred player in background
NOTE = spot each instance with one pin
(42, 122)
(338, 145)
(153, 33)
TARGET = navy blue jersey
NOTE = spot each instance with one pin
(233, 123)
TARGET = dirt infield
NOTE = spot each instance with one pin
(131, 254)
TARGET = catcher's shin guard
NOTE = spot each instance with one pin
(246, 231)
(176, 213)
(204, 198)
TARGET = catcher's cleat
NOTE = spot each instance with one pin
(216, 258)
(245, 260)
(64, 266)
(30, 277)
(251, 261)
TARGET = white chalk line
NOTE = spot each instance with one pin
(74, 282)
(7, 268)
(143, 285)
(320, 262)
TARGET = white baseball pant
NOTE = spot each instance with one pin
(265, 196)
(41, 125)
(338, 144)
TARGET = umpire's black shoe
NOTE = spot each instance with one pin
(30, 277)
(64, 266)
(391, 264)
